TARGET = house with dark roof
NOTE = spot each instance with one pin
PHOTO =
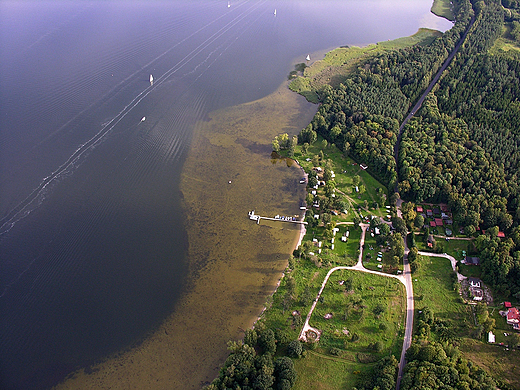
(436, 211)
(472, 260)
(429, 213)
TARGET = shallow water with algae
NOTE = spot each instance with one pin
(98, 257)
(235, 264)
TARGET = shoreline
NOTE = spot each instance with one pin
(242, 275)
(296, 243)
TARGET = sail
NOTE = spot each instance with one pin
(308, 57)
(151, 80)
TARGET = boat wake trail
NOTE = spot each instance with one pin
(39, 194)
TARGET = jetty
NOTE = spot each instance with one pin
(281, 218)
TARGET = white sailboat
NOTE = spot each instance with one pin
(143, 119)
(274, 12)
(228, 4)
(151, 80)
(308, 58)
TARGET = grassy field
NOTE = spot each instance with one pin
(443, 9)
(433, 287)
(339, 62)
(506, 46)
(368, 291)
(317, 371)
(470, 271)
(337, 361)
(345, 169)
(324, 368)
(307, 282)
(495, 359)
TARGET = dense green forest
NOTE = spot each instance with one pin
(462, 148)
(251, 364)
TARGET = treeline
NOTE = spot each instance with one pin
(464, 149)
(440, 365)
(383, 376)
(362, 115)
(251, 365)
(500, 261)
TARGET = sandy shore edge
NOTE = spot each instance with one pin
(297, 242)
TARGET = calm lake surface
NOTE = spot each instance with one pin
(99, 244)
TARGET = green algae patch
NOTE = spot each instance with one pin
(235, 264)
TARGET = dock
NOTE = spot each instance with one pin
(257, 218)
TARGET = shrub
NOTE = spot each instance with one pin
(294, 349)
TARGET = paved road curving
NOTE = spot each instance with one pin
(450, 258)
(405, 279)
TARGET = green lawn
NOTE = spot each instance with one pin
(434, 288)
(368, 291)
(470, 270)
(496, 360)
(443, 8)
(345, 169)
(318, 371)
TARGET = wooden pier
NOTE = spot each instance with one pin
(257, 218)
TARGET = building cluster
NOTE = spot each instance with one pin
(512, 315)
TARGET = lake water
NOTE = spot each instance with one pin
(117, 219)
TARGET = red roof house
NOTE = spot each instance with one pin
(432, 224)
(501, 234)
(513, 317)
(438, 221)
(419, 209)
(507, 304)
